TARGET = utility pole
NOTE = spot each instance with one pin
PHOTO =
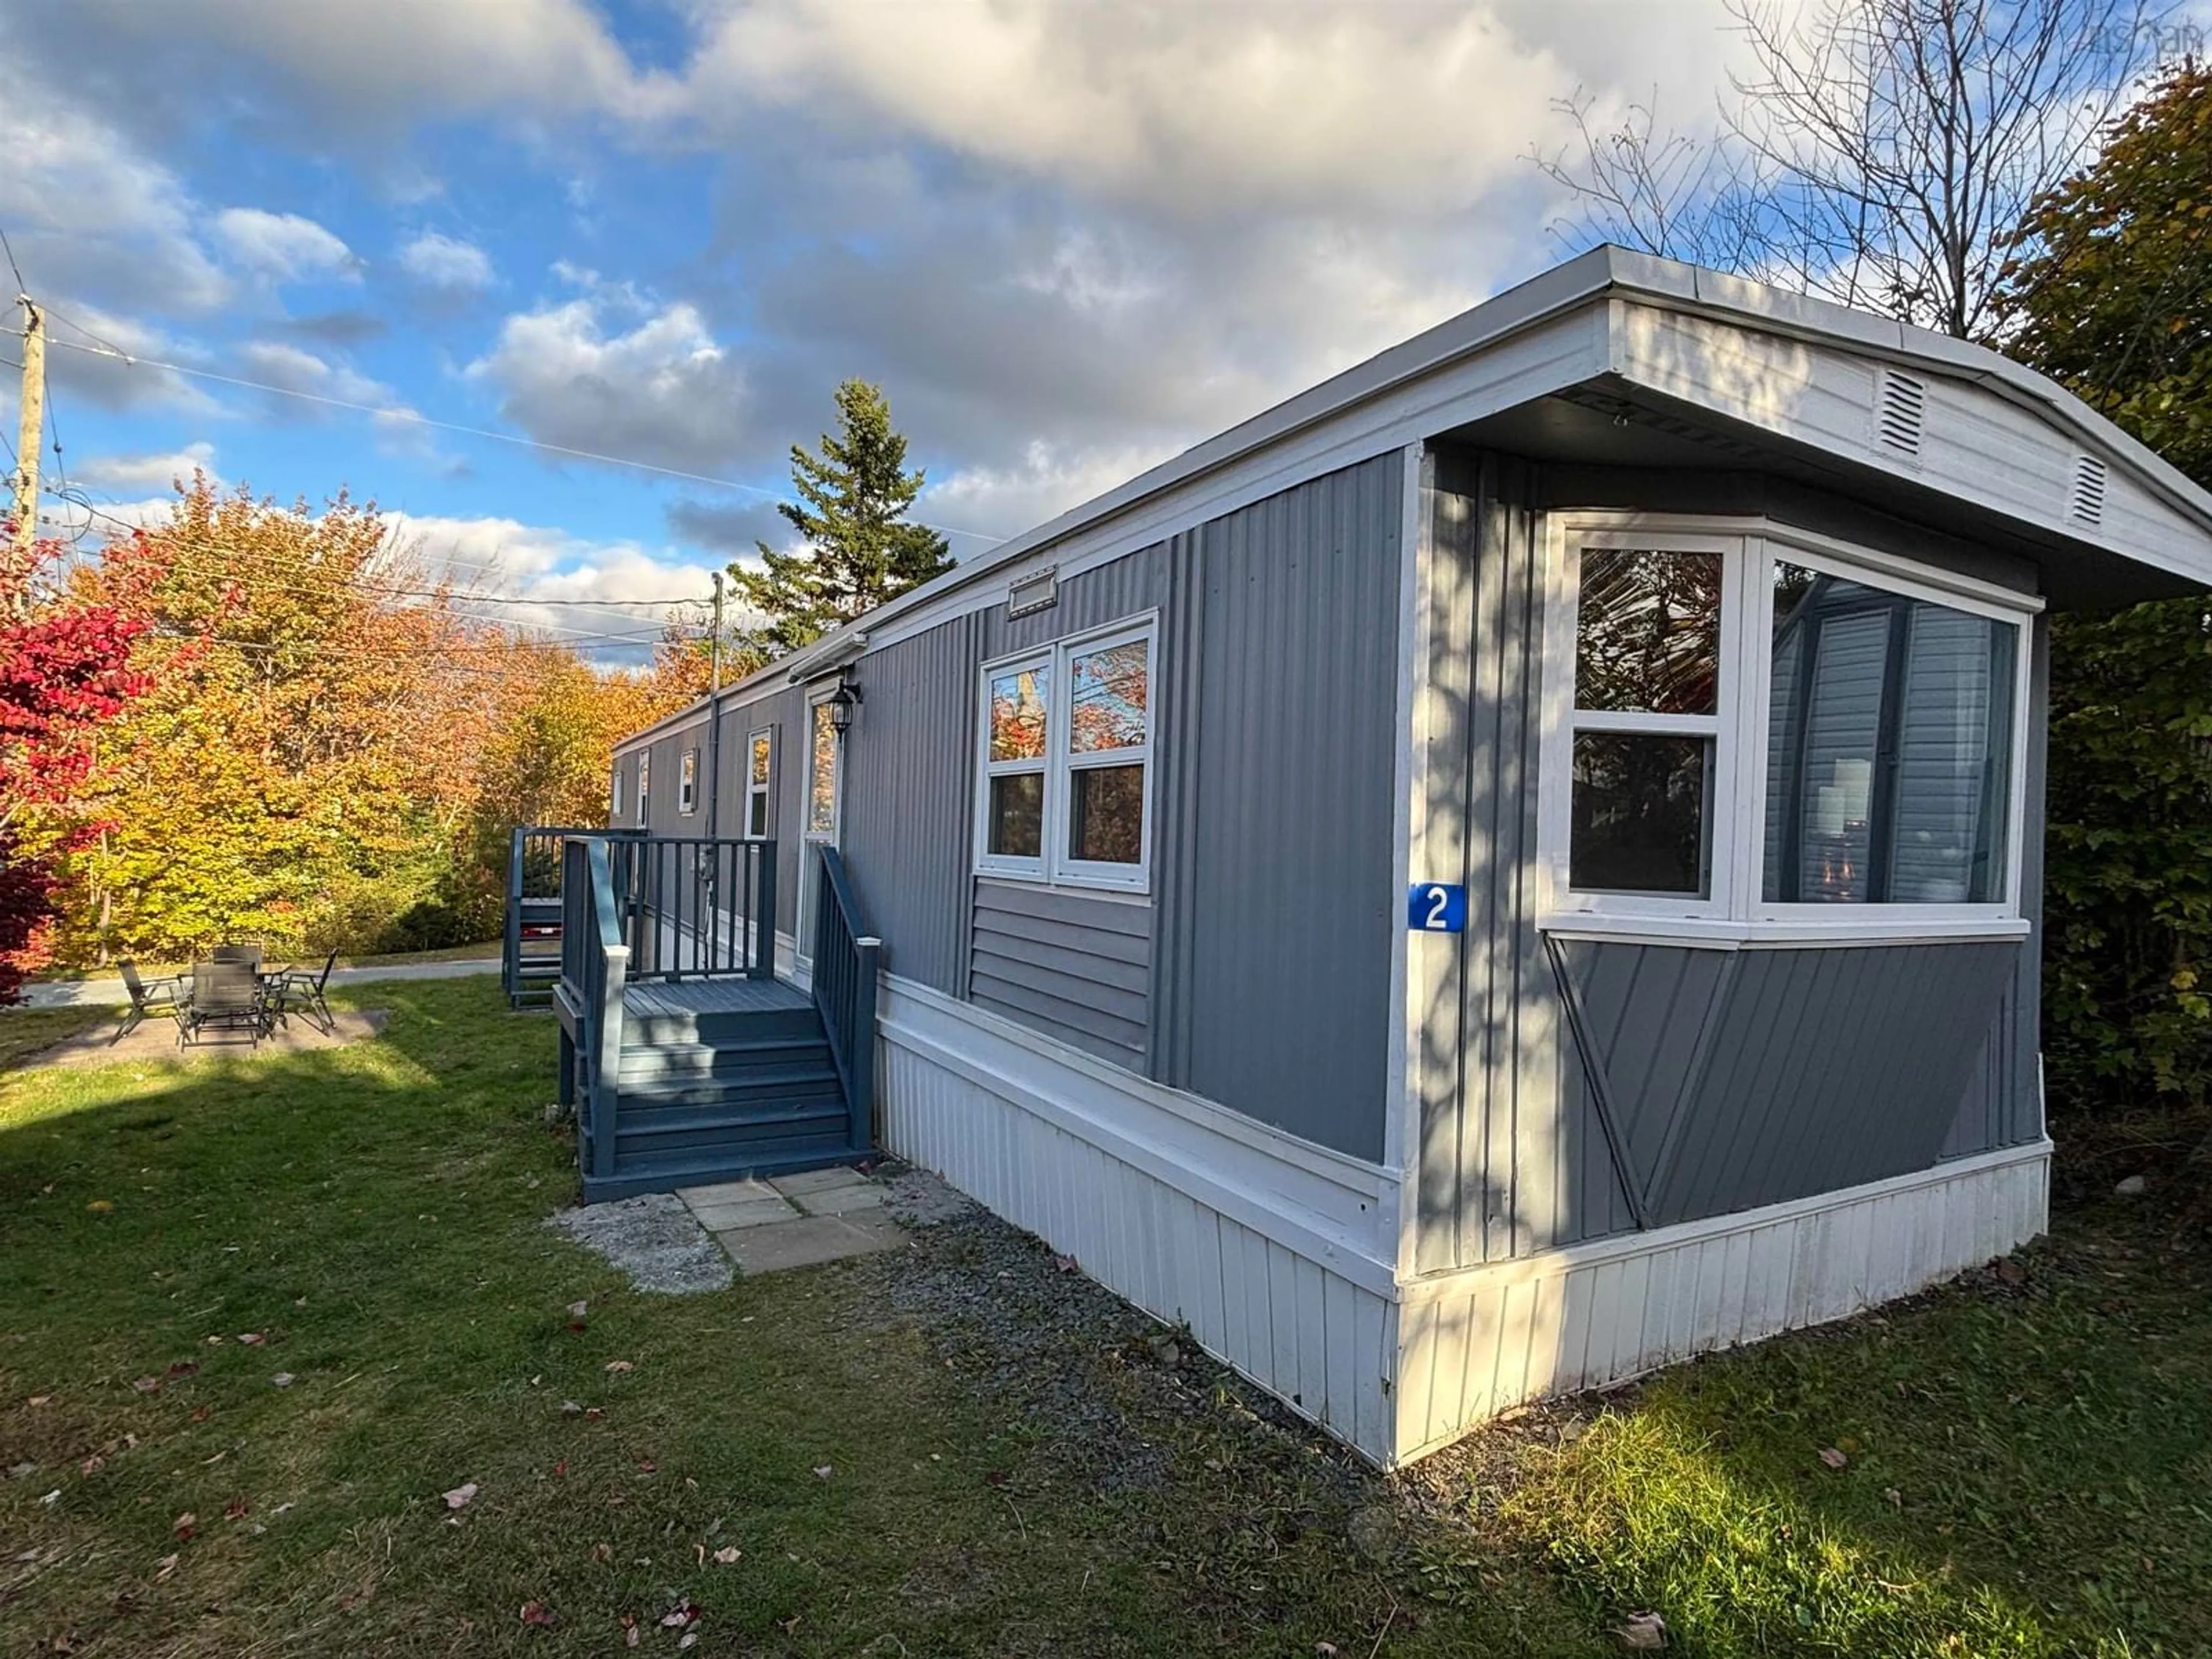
(27, 436)
(714, 719)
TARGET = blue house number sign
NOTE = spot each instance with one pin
(1436, 907)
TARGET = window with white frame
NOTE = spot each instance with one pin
(644, 786)
(822, 776)
(760, 761)
(687, 782)
(1064, 787)
(615, 796)
(1763, 727)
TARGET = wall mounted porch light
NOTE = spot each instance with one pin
(843, 702)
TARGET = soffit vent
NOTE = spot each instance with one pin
(2085, 501)
(1900, 411)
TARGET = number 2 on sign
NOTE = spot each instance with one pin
(1436, 907)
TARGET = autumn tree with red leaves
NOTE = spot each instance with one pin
(65, 671)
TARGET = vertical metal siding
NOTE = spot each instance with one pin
(1499, 1171)
(909, 800)
(1279, 729)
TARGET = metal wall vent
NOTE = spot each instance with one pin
(1039, 590)
(1900, 411)
(2084, 502)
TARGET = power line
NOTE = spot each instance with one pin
(102, 350)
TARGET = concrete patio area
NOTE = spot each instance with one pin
(795, 1220)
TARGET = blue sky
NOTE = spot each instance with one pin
(1067, 238)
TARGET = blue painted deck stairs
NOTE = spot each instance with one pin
(721, 1078)
(687, 1061)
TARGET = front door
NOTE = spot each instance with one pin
(825, 783)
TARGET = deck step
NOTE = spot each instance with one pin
(737, 1060)
(662, 1031)
(642, 1100)
(729, 1131)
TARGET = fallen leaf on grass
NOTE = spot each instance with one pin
(681, 1614)
(620, 1365)
(578, 1309)
(630, 1632)
(534, 1613)
(164, 1566)
(37, 1400)
(561, 1470)
(51, 1497)
(91, 1465)
(570, 1409)
(235, 1509)
(283, 1379)
(148, 1384)
(728, 1553)
(185, 1523)
(592, 1413)
(200, 1413)
(603, 1552)
(823, 1473)
(183, 1368)
(253, 1339)
(458, 1497)
(1833, 1458)
(690, 1638)
(1325, 1649)
(100, 1207)
(647, 1465)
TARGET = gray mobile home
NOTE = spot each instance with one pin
(1515, 867)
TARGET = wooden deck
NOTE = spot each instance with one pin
(714, 996)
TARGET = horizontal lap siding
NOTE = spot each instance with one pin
(1075, 966)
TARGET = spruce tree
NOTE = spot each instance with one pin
(853, 500)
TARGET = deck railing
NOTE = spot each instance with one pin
(696, 907)
(595, 971)
(530, 953)
(846, 958)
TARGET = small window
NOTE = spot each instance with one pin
(614, 797)
(1065, 734)
(687, 783)
(760, 763)
(644, 786)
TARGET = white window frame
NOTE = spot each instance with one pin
(761, 792)
(1735, 911)
(615, 794)
(807, 832)
(644, 788)
(1054, 867)
(687, 783)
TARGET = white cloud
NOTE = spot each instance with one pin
(439, 261)
(143, 472)
(1190, 108)
(294, 368)
(1044, 482)
(666, 391)
(517, 561)
(284, 247)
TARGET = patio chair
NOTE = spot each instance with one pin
(155, 996)
(225, 996)
(297, 991)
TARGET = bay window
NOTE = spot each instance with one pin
(1768, 731)
(1063, 790)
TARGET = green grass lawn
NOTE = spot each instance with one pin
(2027, 1465)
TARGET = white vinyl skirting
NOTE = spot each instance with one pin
(1275, 1252)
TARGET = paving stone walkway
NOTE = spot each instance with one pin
(796, 1220)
